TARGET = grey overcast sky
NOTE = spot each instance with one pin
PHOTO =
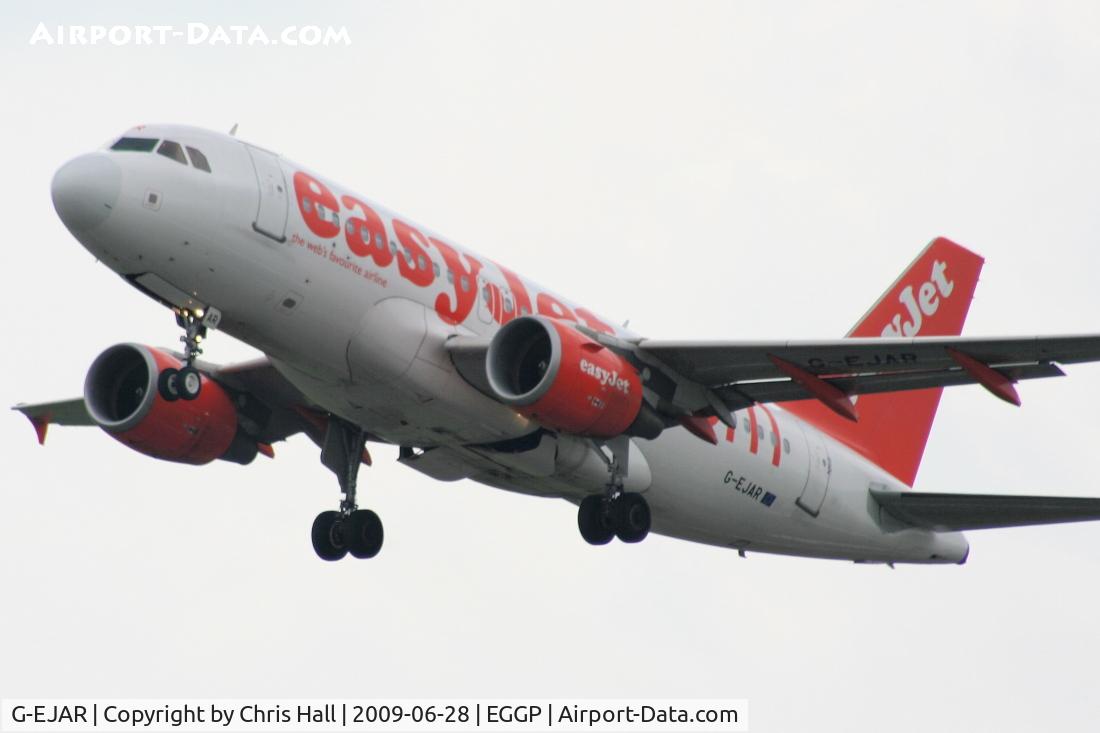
(707, 170)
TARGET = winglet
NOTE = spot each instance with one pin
(41, 424)
(998, 384)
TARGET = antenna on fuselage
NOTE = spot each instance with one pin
(233, 130)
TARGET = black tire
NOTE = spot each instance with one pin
(363, 534)
(168, 385)
(189, 383)
(328, 537)
(631, 517)
(593, 521)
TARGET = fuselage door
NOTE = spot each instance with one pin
(272, 212)
(821, 468)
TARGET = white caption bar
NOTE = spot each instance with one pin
(368, 716)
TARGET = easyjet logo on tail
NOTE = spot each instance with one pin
(920, 303)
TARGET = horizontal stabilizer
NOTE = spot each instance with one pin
(955, 512)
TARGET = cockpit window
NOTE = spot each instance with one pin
(172, 150)
(198, 159)
(137, 144)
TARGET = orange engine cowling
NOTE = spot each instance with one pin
(559, 377)
(121, 395)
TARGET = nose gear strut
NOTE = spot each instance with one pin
(185, 383)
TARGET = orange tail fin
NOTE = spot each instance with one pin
(931, 298)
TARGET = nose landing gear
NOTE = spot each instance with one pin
(616, 513)
(185, 383)
(351, 530)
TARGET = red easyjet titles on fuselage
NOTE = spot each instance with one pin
(365, 234)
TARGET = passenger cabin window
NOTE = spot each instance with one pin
(172, 150)
(136, 144)
(198, 159)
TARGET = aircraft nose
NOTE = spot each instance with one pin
(85, 190)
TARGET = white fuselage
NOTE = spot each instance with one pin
(353, 304)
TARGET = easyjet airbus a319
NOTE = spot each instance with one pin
(377, 329)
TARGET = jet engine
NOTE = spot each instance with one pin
(552, 373)
(120, 393)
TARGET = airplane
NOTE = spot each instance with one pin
(376, 329)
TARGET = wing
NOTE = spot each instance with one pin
(951, 512)
(717, 363)
(62, 412)
(274, 409)
(741, 373)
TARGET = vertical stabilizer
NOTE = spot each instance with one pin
(931, 298)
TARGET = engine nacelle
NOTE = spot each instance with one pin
(559, 377)
(121, 395)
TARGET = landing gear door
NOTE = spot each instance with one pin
(821, 468)
(272, 212)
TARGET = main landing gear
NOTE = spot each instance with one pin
(349, 530)
(615, 513)
(185, 383)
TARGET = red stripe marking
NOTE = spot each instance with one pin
(775, 431)
(729, 431)
(754, 441)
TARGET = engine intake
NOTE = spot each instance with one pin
(121, 395)
(556, 375)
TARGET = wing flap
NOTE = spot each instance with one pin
(956, 512)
